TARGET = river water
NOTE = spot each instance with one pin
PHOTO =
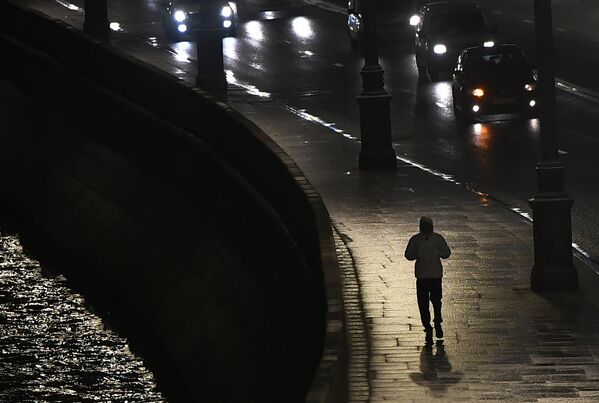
(53, 349)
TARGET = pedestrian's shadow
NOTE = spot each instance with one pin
(435, 370)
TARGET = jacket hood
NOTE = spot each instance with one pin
(426, 225)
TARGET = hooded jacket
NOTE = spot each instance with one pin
(427, 248)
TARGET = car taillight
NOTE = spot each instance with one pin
(478, 92)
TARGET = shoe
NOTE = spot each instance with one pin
(428, 338)
(438, 331)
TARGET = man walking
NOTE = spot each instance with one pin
(427, 248)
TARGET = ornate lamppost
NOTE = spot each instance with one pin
(553, 268)
(375, 120)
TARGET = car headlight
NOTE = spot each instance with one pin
(478, 92)
(414, 20)
(179, 16)
(530, 87)
(488, 44)
(440, 49)
(227, 24)
(226, 12)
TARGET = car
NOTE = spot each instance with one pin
(491, 81)
(442, 30)
(392, 19)
(185, 18)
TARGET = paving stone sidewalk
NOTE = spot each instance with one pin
(502, 341)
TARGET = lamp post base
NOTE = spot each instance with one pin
(96, 18)
(210, 74)
(375, 127)
(546, 279)
(371, 160)
(552, 230)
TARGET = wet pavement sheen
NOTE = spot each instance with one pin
(53, 349)
(503, 342)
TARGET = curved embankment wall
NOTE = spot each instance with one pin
(182, 211)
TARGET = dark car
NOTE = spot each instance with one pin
(184, 18)
(443, 30)
(392, 18)
(491, 81)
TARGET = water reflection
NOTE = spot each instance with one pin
(254, 30)
(250, 89)
(182, 50)
(481, 136)
(442, 94)
(230, 48)
(53, 349)
(302, 27)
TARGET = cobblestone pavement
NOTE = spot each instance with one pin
(502, 341)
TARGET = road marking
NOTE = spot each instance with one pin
(337, 65)
(580, 92)
(561, 29)
(70, 6)
(562, 152)
(528, 21)
(497, 12)
(327, 6)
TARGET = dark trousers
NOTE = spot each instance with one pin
(429, 289)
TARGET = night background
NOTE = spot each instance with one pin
(234, 237)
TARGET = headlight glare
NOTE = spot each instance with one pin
(440, 49)
(179, 16)
(226, 12)
(488, 44)
(414, 20)
(530, 87)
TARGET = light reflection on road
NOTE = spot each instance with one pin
(254, 31)
(302, 27)
(182, 50)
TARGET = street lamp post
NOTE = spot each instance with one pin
(96, 18)
(210, 71)
(553, 268)
(375, 120)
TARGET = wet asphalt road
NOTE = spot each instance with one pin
(306, 63)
